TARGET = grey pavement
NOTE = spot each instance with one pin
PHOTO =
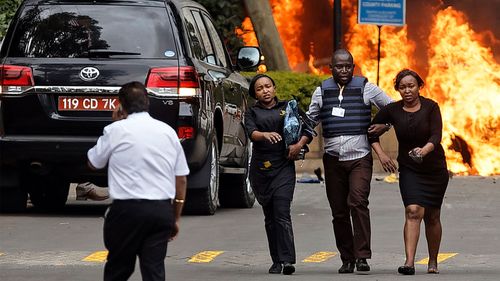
(38, 246)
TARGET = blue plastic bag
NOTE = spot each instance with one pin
(292, 124)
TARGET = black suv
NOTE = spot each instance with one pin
(61, 65)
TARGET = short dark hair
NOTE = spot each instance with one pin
(340, 52)
(405, 72)
(251, 88)
(133, 97)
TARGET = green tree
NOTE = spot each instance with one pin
(7, 10)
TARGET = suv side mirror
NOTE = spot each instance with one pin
(248, 57)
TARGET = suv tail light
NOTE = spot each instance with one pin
(184, 132)
(15, 79)
(181, 81)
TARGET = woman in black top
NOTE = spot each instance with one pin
(272, 170)
(423, 175)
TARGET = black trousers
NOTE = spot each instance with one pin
(137, 228)
(279, 230)
(347, 188)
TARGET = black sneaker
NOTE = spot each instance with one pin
(347, 267)
(362, 265)
(275, 268)
(288, 268)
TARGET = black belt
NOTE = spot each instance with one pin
(171, 201)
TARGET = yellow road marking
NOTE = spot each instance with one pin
(205, 256)
(319, 257)
(441, 257)
(99, 256)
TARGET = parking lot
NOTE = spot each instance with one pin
(232, 246)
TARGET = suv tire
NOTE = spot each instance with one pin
(13, 200)
(235, 190)
(204, 201)
(48, 192)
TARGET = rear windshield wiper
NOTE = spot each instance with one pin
(106, 53)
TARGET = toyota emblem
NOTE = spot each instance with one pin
(89, 73)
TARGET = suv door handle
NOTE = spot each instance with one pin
(217, 81)
(216, 76)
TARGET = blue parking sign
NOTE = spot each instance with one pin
(382, 12)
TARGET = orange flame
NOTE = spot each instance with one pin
(463, 76)
(395, 53)
(310, 64)
(465, 79)
(286, 15)
(247, 34)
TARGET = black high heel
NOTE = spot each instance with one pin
(406, 270)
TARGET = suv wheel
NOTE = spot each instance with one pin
(204, 201)
(12, 200)
(48, 192)
(236, 191)
(13, 197)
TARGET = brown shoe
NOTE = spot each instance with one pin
(91, 191)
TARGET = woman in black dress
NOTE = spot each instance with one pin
(272, 170)
(423, 175)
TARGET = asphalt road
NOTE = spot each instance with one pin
(232, 245)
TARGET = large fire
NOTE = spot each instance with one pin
(462, 74)
(286, 15)
(465, 79)
(247, 33)
(396, 50)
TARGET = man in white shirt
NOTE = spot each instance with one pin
(147, 172)
(343, 106)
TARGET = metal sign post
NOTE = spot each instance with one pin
(381, 12)
(337, 24)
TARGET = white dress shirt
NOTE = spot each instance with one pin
(143, 155)
(349, 147)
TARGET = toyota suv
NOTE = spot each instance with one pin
(62, 63)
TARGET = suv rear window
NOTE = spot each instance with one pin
(81, 31)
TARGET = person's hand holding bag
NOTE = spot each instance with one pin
(294, 151)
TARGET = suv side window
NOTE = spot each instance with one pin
(219, 47)
(194, 37)
(210, 57)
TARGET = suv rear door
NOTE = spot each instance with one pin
(227, 92)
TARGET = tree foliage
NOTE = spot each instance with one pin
(7, 10)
